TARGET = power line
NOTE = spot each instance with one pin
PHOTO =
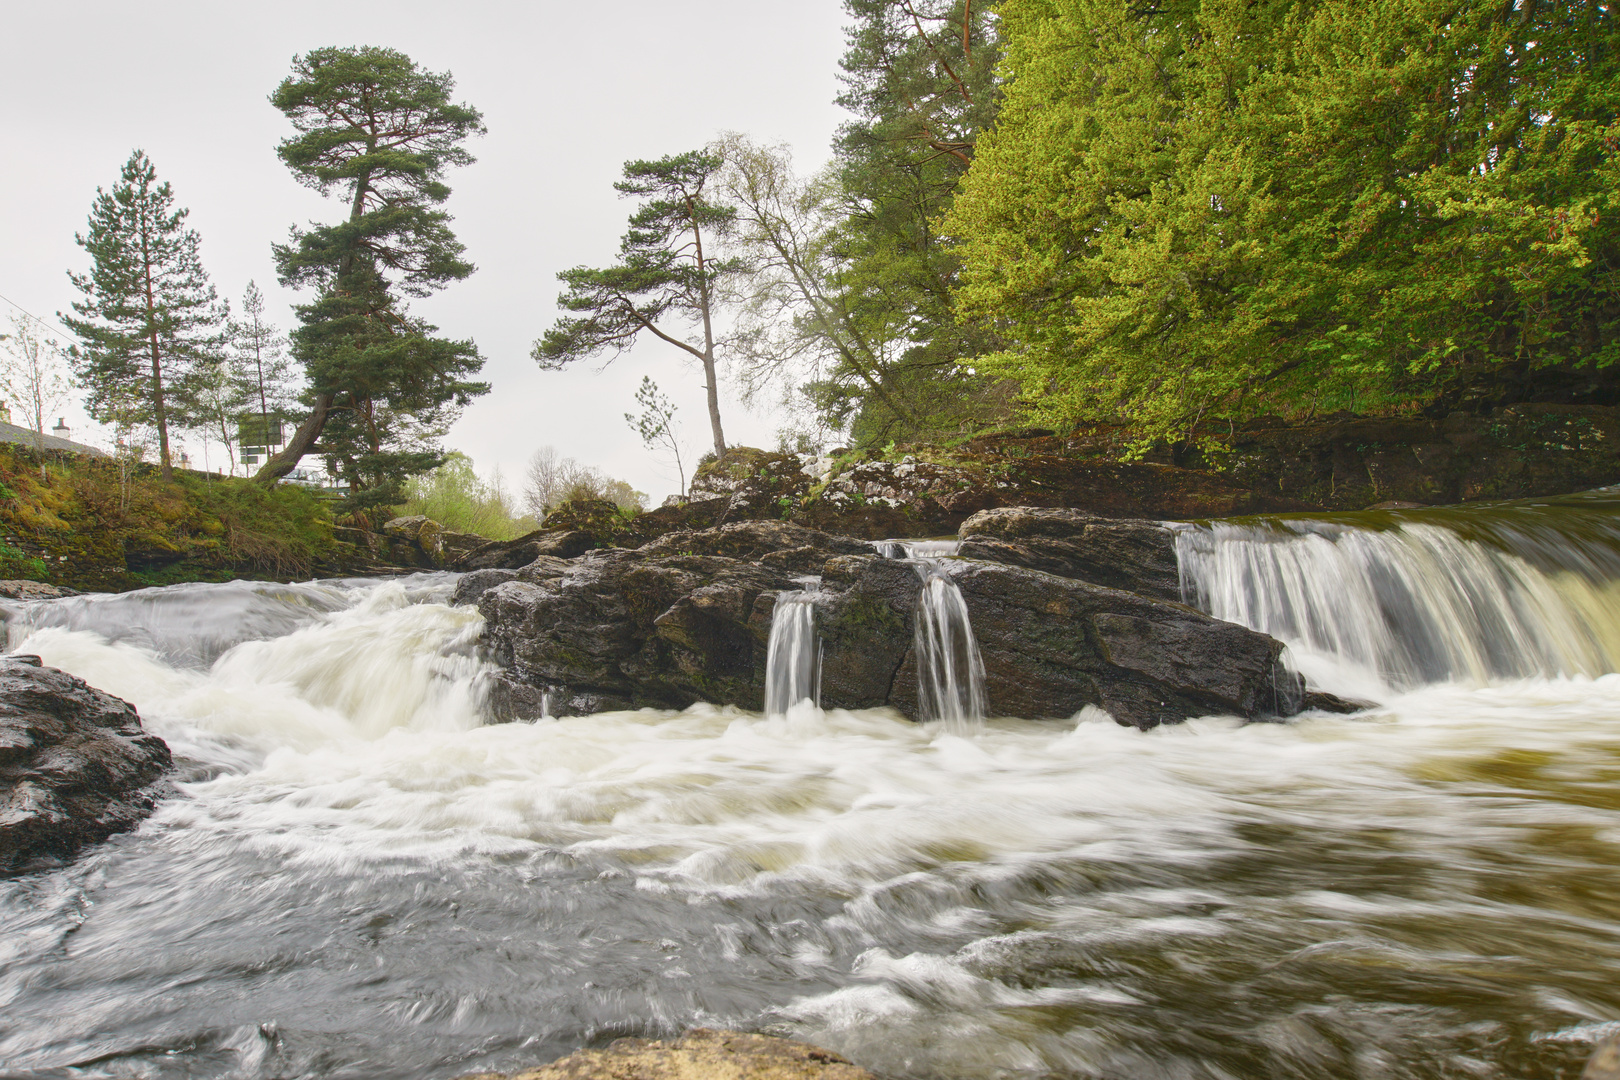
(36, 318)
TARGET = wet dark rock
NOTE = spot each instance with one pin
(636, 628)
(1051, 646)
(1138, 556)
(470, 586)
(559, 543)
(687, 618)
(75, 764)
(755, 540)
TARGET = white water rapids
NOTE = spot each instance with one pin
(363, 881)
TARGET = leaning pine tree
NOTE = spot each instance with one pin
(149, 318)
(667, 274)
(377, 130)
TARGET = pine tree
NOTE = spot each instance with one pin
(149, 315)
(259, 365)
(667, 273)
(920, 85)
(378, 131)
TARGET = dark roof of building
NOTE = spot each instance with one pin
(28, 437)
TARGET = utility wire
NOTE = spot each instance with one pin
(36, 318)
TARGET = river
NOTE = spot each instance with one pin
(363, 880)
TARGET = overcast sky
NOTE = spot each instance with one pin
(569, 91)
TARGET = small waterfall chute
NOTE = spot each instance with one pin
(793, 657)
(950, 670)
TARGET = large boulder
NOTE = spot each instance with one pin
(1051, 646)
(1138, 556)
(687, 618)
(562, 543)
(700, 1054)
(75, 765)
(623, 629)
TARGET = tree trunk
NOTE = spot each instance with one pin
(297, 446)
(158, 410)
(708, 335)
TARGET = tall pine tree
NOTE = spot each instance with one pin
(150, 316)
(919, 79)
(379, 132)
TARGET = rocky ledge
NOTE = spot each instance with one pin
(75, 764)
(1069, 610)
(701, 1054)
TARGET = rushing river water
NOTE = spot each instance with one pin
(363, 881)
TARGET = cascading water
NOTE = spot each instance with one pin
(360, 880)
(1389, 601)
(950, 671)
(793, 657)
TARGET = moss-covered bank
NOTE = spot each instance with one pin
(96, 524)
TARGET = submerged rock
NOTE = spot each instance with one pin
(700, 1054)
(75, 765)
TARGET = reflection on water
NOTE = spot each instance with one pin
(363, 882)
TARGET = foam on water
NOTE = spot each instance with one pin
(362, 881)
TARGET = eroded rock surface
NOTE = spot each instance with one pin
(700, 1054)
(687, 618)
(1138, 556)
(75, 764)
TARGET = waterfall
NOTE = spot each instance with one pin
(793, 659)
(950, 671)
(1380, 602)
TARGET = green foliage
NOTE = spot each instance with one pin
(379, 132)
(665, 275)
(919, 77)
(149, 316)
(1228, 208)
(93, 523)
(456, 497)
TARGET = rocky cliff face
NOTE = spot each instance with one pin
(75, 765)
(1069, 610)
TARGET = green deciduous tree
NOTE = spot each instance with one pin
(149, 314)
(379, 132)
(1201, 209)
(668, 275)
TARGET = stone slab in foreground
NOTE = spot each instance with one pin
(75, 764)
(700, 1054)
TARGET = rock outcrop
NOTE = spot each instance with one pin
(700, 1054)
(1138, 556)
(1051, 646)
(75, 764)
(687, 618)
(33, 590)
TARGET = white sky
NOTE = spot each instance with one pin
(569, 92)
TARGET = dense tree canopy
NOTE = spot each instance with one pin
(1211, 208)
(920, 87)
(378, 131)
